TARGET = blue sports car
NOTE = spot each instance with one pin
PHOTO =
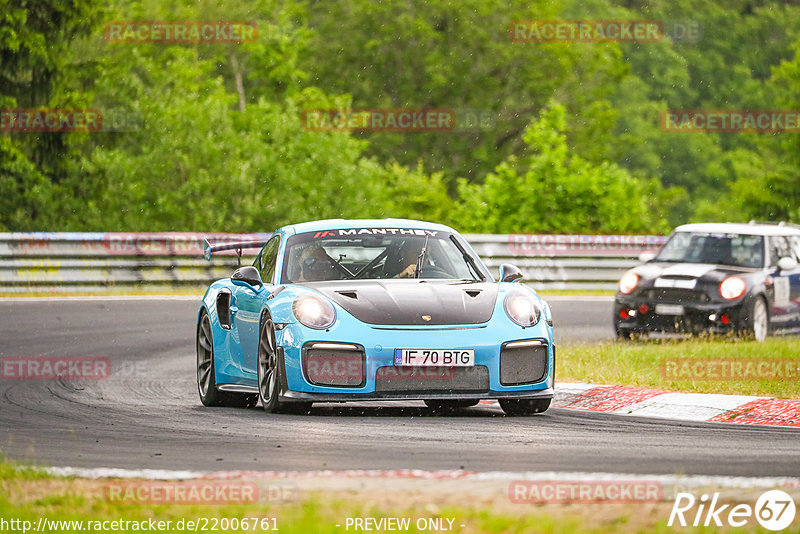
(358, 310)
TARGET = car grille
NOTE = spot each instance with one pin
(677, 295)
(334, 364)
(523, 362)
(432, 379)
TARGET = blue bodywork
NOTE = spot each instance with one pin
(235, 348)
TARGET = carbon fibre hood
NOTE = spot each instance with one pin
(411, 302)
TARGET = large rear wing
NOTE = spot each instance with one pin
(238, 246)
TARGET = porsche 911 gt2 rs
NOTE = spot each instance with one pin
(357, 310)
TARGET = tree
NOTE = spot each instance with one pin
(551, 189)
(455, 55)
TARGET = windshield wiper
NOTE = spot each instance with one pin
(469, 260)
(421, 258)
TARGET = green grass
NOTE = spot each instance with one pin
(639, 363)
(28, 494)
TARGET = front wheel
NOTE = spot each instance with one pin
(270, 373)
(524, 406)
(268, 368)
(756, 323)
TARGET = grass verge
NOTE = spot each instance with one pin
(81, 505)
(644, 364)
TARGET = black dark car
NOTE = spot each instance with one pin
(715, 277)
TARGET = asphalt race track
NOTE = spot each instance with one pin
(147, 415)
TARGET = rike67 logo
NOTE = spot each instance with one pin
(774, 510)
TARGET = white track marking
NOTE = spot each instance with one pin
(113, 472)
(686, 406)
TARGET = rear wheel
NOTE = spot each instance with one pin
(524, 406)
(446, 405)
(206, 376)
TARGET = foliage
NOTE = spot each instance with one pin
(552, 190)
(573, 144)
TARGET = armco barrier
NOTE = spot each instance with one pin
(49, 262)
(108, 261)
(565, 261)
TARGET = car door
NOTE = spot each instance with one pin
(249, 303)
(794, 283)
(786, 284)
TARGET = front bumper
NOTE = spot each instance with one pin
(379, 379)
(344, 397)
(637, 315)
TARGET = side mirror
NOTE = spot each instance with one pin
(787, 264)
(644, 257)
(510, 273)
(246, 277)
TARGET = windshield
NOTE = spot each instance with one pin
(720, 249)
(377, 254)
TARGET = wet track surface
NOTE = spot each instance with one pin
(147, 413)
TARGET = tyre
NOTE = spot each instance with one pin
(448, 405)
(270, 374)
(524, 406)
(268, 379)
(756, 320)
(206, 376)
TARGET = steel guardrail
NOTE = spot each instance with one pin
(48, 262)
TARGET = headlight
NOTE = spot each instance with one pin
(522, 309)
(314, 312)
(732, 288)
(628, 283)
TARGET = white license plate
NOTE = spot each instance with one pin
(669, 309)
(435, 357)
(669, 282)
